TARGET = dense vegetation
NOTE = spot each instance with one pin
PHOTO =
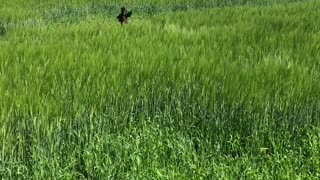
(186, 90)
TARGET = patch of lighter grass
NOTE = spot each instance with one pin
(186, 32)
(174, 28)
(278, 60)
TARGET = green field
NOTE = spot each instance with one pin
(217, 89)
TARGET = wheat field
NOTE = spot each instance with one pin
(221, 89)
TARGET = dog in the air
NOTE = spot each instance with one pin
(123, 16)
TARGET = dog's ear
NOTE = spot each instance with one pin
(129, 14)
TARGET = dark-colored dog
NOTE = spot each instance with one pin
(123, 16)
(2, 30)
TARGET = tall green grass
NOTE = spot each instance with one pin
(17, 11)
(223, 93)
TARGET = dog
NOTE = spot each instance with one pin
(123, 16)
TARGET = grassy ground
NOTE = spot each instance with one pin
(219, 90)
